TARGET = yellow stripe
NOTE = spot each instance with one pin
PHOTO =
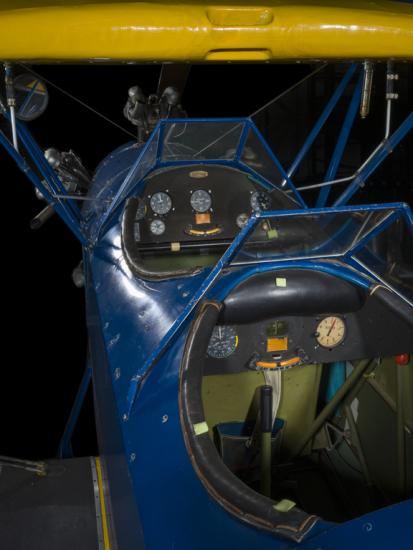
(106, 542)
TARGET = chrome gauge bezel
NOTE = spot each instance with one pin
(242, 219)
(337, 333)
(201, 201)
(160, 225)
(256, 205)
(161, 203)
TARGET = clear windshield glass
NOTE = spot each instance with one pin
(197, 141)
(234, 142)
(309, 235)
(389, 255)
(379, 239)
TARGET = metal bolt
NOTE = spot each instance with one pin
(125, 417)
(132, 457)
(368, 527)
(117, 373)
(165, 418)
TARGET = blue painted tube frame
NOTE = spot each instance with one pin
(341, 142)
(60, 208)
(65, 445)
(158, 162)
(322, 119)
(225, 260)
(387, 146)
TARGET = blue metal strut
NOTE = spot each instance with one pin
(65, 445)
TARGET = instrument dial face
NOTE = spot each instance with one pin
(161, 203)
(157, 227)
(260, 200)
(242, 220)
(201, 200)
(223, 342)
(330, 331)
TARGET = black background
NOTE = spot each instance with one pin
(43, 314)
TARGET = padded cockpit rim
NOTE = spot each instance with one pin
(130, 250)
(229, 491)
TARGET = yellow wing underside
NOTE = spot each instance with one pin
(79, 31)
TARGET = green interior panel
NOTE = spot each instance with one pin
(233, 397)
(299, 396)
(385, 375)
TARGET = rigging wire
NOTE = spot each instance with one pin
(74, 98)
(278, 97)
(288, 90)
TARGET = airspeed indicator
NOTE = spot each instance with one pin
(223, 342)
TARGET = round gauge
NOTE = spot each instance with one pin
(242, 220)
(260, 201)
(223, 342)
(141, 211)
(161, 203)
(201, 200)
(330, 331)
(157, 227)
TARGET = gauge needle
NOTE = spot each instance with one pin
(331, 328)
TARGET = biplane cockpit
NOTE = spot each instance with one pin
(249, 314)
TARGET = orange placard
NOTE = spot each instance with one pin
(277, 344)
(202, 218)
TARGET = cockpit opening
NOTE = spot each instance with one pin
(294, 399)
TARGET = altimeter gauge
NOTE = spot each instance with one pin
(161, 203)
(330, 331)
(223, 342)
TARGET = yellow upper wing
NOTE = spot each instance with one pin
(199, 31)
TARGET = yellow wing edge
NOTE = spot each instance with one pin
(198, 32)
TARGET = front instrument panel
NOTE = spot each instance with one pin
(189, 207)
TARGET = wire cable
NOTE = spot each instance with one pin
(74, 98)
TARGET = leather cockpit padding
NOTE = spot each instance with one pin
(229, 491)
(131, 252)
(300, 292)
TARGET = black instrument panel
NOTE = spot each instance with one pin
(305, 330)
(199, 204)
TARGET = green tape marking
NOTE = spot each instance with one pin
(200, 428)
(284, 505)
(272, 234)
